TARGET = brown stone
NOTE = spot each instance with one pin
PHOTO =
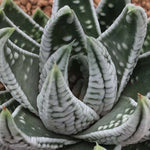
(33, 2)
(47, 10)
(24, 2)
(42, 3)
(28, 6)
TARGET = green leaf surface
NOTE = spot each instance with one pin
(107, 11)
(40, 17)
(140, 81)
(35, 132)
(124, 40)
(59, 109)
(19, 70)
(61, 58)
(118, 125)
(102, 86)
(146, 45)
(21, 19)
(60, 30)
(98, 147)
(19, 37)
(85, 12)
(9, 133)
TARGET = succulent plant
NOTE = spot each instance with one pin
(70, 83)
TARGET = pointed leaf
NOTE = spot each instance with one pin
(102, 86)
(59, 109)
(32, 126)
(40, 17)
(19, 69)
(140, 80)
(85, 12)
(98, 147)
(21, 19)
(27, 132)
(118, 126)
(62, 29)
(146, 45)
(124, 40)
(107, 11)
(61, 58)
(19, 38)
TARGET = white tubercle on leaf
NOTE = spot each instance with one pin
(124, 40)
(10, 68)
(59, 109)
(60, 30)
(85, 12)
(61, 58)
(102, 86)
(127, 123)
(15, 132)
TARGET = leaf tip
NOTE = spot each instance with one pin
(4, 108)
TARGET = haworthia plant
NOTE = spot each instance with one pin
(66, 77)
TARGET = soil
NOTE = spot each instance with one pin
(29, 6)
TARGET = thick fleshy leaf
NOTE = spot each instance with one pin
(98, 147)
(21, 19)
(59, 109)
(146, 45)
(102, 86)
(124, 40)
(118, 126)
(107, 11)
(62, 29)
(61, 58)
(40, 17)
(85, 12)
(140, 79)
(4, 147)
(19, 70)
(19, 37)
(25, 130)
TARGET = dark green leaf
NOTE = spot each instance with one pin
(21, 19)
(146, 45)
(40, 17)
(125, 124)
(107, 11)
(124, 40)
(140, 79)
(60, 30)
(85, 12)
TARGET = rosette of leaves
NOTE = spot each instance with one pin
(67, 79)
